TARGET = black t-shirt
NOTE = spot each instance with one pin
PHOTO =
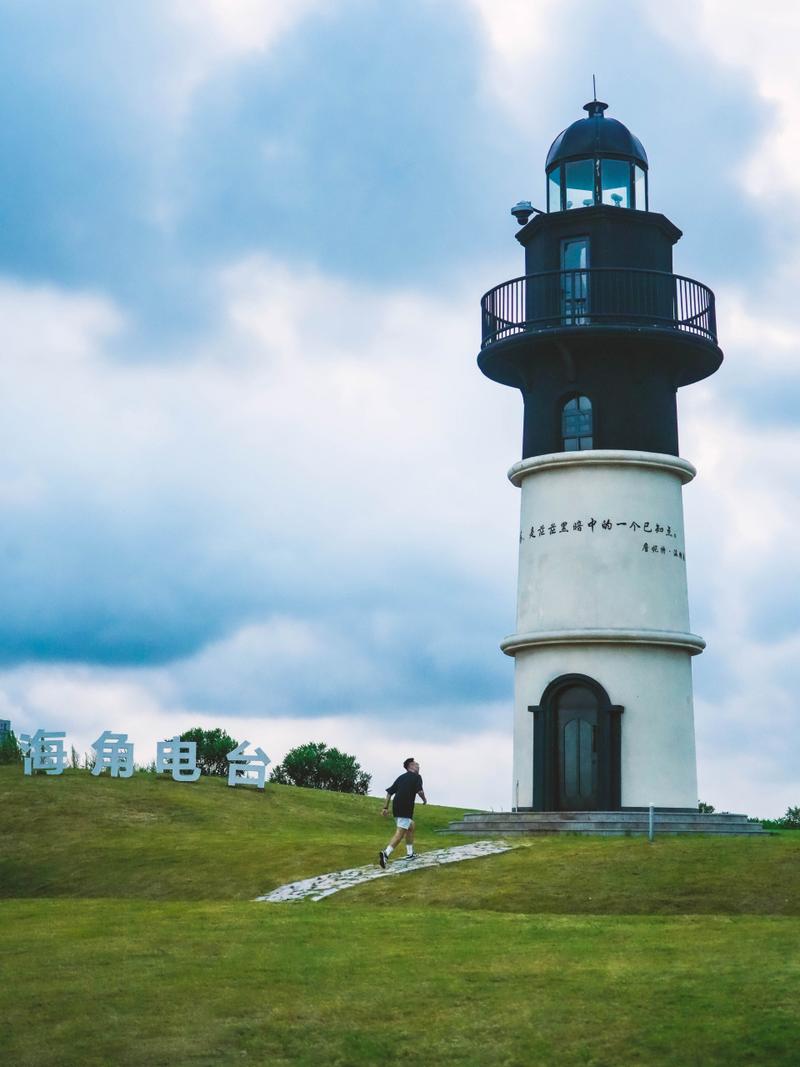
(404, 792)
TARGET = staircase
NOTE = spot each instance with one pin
(604, 823)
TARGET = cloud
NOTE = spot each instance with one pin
(461, 767)
(304, 477)
(249, 469)
(359, 150)
(231, 28)
(764, 51)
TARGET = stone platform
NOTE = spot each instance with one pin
(604, 823)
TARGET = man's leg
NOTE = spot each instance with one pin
(397, 837)
(410, 840)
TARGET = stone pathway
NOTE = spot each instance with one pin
(325, 884)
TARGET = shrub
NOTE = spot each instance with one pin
(10, 752)
(705, 809)
(791, 820)
(318, 767)
(213, 747)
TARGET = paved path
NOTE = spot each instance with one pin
(325, 884)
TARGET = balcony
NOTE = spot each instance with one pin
(598, 297)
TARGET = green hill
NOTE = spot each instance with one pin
(128, 935)
(148, 837)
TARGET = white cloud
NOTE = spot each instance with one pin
(761, 42)
(242, 26)
(520, 46)
(463, 769)
(349, 429)
(204, 37)
(326, 442)
(314, 398)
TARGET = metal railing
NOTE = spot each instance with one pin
(598, 296)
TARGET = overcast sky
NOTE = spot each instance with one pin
(250, 474)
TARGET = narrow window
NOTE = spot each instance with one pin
(576, 424)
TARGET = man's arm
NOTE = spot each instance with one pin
(421, 793)
(386, 804)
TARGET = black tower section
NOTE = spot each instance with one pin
(599, 334)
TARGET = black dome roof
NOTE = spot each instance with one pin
(595, 135)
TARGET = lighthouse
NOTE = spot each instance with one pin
(599, 334)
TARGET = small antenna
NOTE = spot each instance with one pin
(594, 87)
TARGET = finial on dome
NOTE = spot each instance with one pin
(595, 107)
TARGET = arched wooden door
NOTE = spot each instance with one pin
(576, 718)
(576, 747)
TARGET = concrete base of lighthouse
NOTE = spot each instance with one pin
(603, 688)
(652, 686)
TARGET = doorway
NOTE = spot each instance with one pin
(574, 281)
(577, 744)
(577, 749)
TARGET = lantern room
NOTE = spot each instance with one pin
(594, 161)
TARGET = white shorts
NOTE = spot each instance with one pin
(404, 824)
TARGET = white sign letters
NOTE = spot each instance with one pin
(241, 767)
(179, 757)
(44, 751)
(115, 752)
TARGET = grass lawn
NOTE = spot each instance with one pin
(127, 936)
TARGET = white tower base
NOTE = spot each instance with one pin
(602, 596)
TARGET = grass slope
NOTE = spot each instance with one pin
(128, 935)
(149, 837)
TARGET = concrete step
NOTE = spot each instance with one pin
(595, 832)
(627, 824)
(606, 823)
(595, 828)
(604, 816)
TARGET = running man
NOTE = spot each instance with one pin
(404, 791)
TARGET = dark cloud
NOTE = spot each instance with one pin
(363, 145)
(363, 142)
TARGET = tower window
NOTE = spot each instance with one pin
(576, 424)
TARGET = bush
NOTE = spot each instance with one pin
(705, 809)
(318, 767)
(10, 752)
(213, 747)
(791, 820)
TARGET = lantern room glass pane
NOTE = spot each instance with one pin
(580, 183)
(640, 188)
(616, 182)
(554, 190)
